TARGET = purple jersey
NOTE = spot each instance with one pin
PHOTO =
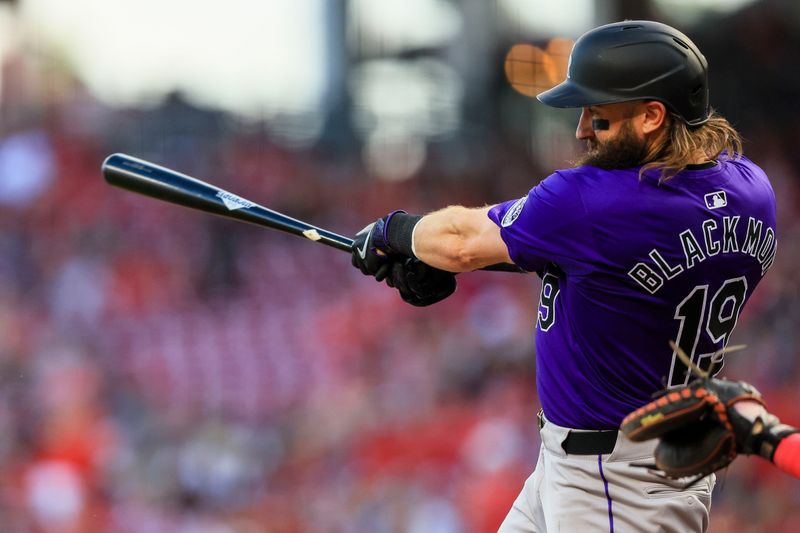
(629, 264)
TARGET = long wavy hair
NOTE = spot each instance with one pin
(716, 138)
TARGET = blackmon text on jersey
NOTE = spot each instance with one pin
(711, 240)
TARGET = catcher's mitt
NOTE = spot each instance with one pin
(699, 430)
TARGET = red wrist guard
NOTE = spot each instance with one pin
(787, 455)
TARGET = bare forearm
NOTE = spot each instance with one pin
(459, 239)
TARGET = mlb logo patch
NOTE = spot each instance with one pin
(715, 200)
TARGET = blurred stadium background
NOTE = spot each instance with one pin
(166, 371)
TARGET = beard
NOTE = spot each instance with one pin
(625, 150)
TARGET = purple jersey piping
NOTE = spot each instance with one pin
(608, 497)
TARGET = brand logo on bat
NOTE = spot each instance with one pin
(233, 202)
(137, 166)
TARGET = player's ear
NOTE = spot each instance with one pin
(654, 115)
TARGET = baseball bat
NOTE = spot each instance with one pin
(143, 177)
(152, 180)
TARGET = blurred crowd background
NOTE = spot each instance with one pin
(162, 370)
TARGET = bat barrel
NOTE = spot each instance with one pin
(162, 183)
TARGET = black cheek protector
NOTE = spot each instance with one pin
(599, 124)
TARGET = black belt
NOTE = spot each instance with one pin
(586, 442)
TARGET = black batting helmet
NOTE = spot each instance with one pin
(635, 60)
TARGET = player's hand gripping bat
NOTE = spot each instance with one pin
(162, 183)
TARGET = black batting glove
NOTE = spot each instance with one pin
(367, 257)
(371, 252)
(420, 284)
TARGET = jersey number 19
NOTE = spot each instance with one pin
(719, 316)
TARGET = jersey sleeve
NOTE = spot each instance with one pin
(550, 224)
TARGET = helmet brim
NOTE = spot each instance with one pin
(571, 94)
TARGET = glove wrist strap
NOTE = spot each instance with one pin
(398, 232)
(771, 438)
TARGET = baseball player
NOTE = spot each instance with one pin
(661, 232)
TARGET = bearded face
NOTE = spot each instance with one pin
(624, 150)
